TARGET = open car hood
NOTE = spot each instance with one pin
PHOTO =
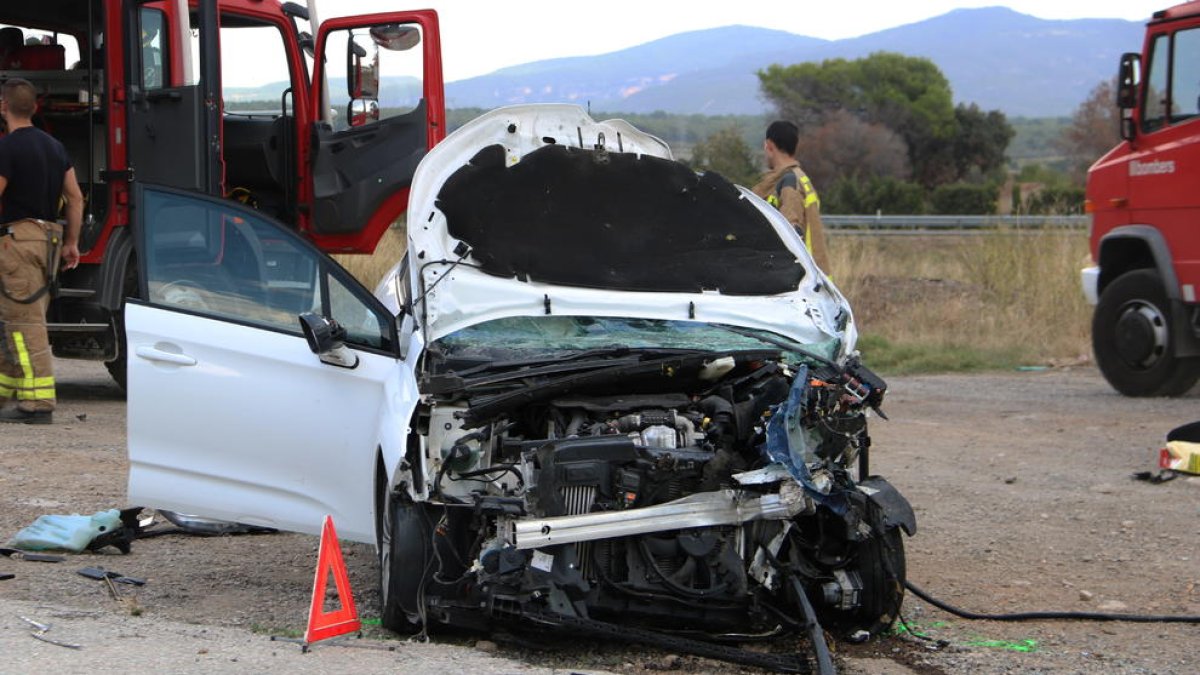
(538, 209)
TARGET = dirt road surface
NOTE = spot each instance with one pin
(1021, 483)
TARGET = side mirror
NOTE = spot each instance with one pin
(360, 111)
(395, 37)
(362, 68)
(324, 337)
(1128, 80)
(305, 39)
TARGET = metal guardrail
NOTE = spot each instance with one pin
(939, 224)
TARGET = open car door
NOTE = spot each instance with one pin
(380, 108)
(231, 413)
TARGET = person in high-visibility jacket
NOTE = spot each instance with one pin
(788, 188)
(35, 174)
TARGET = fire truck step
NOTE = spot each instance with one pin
(76, 292)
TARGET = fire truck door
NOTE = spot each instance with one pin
(385, 110)
(174, 132)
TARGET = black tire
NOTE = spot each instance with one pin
(404, 541)
(880, 566)
(116, 367)
(1133, 340)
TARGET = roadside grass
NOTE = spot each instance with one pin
(369, 269)
(939, 303)
(991, 301)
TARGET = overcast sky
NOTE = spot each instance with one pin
(481, 37)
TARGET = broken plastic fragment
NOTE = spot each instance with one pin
(68, 533)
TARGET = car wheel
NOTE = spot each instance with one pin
(1131, 337)
(404, 536)
(881, 567)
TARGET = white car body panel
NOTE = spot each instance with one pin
(258, 431)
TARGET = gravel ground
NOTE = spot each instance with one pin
(1021, 483)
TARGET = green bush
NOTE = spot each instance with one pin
(885, 195)
(964, 199)
(1056, 201)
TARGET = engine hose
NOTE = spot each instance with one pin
(1040, 616)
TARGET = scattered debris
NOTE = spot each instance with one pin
(1155, 478)
(209, 527)
(1086, 596)
(18, 554)
(5, 576)
(1182, 452)
(68, 533)
(101, 573)
(39, 633)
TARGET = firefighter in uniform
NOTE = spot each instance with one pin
(35, 175)
(787, 188)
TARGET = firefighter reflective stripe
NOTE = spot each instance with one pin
(773, 200)
(28, 387)
(810, 195)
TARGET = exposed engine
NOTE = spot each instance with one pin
(709, 501)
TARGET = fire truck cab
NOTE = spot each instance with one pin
(1145, 210)
(319, 125)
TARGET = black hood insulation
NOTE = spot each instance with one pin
(614, 220)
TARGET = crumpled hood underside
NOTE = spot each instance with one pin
(614, 220)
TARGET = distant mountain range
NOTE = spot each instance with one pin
(995, 57)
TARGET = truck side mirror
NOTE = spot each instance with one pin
(396, 37)
(1128, 79)
(362, 68)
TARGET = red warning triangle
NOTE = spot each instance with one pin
(322, 624)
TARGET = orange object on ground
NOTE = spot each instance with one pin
(322, 624)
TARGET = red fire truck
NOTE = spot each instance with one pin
(1145, 205)
(226, 97)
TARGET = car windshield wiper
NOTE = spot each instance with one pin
(486, 407)
(549, 364)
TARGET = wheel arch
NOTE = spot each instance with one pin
(119, 254)
(1133, 247)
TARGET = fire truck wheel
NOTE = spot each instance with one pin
(1131, 336)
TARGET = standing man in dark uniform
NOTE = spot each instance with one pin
(35, 173)
(788, 188)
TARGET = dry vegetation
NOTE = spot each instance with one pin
(994, 300)
(933, 303)
(369, 269)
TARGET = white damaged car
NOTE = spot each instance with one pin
(601, 393)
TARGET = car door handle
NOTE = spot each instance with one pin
(155, 354)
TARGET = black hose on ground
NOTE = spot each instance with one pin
(1041, 616)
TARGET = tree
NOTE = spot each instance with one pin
(1094, 130)
(909, 95)
(981, 141)
(847, 148)
(726, 152)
